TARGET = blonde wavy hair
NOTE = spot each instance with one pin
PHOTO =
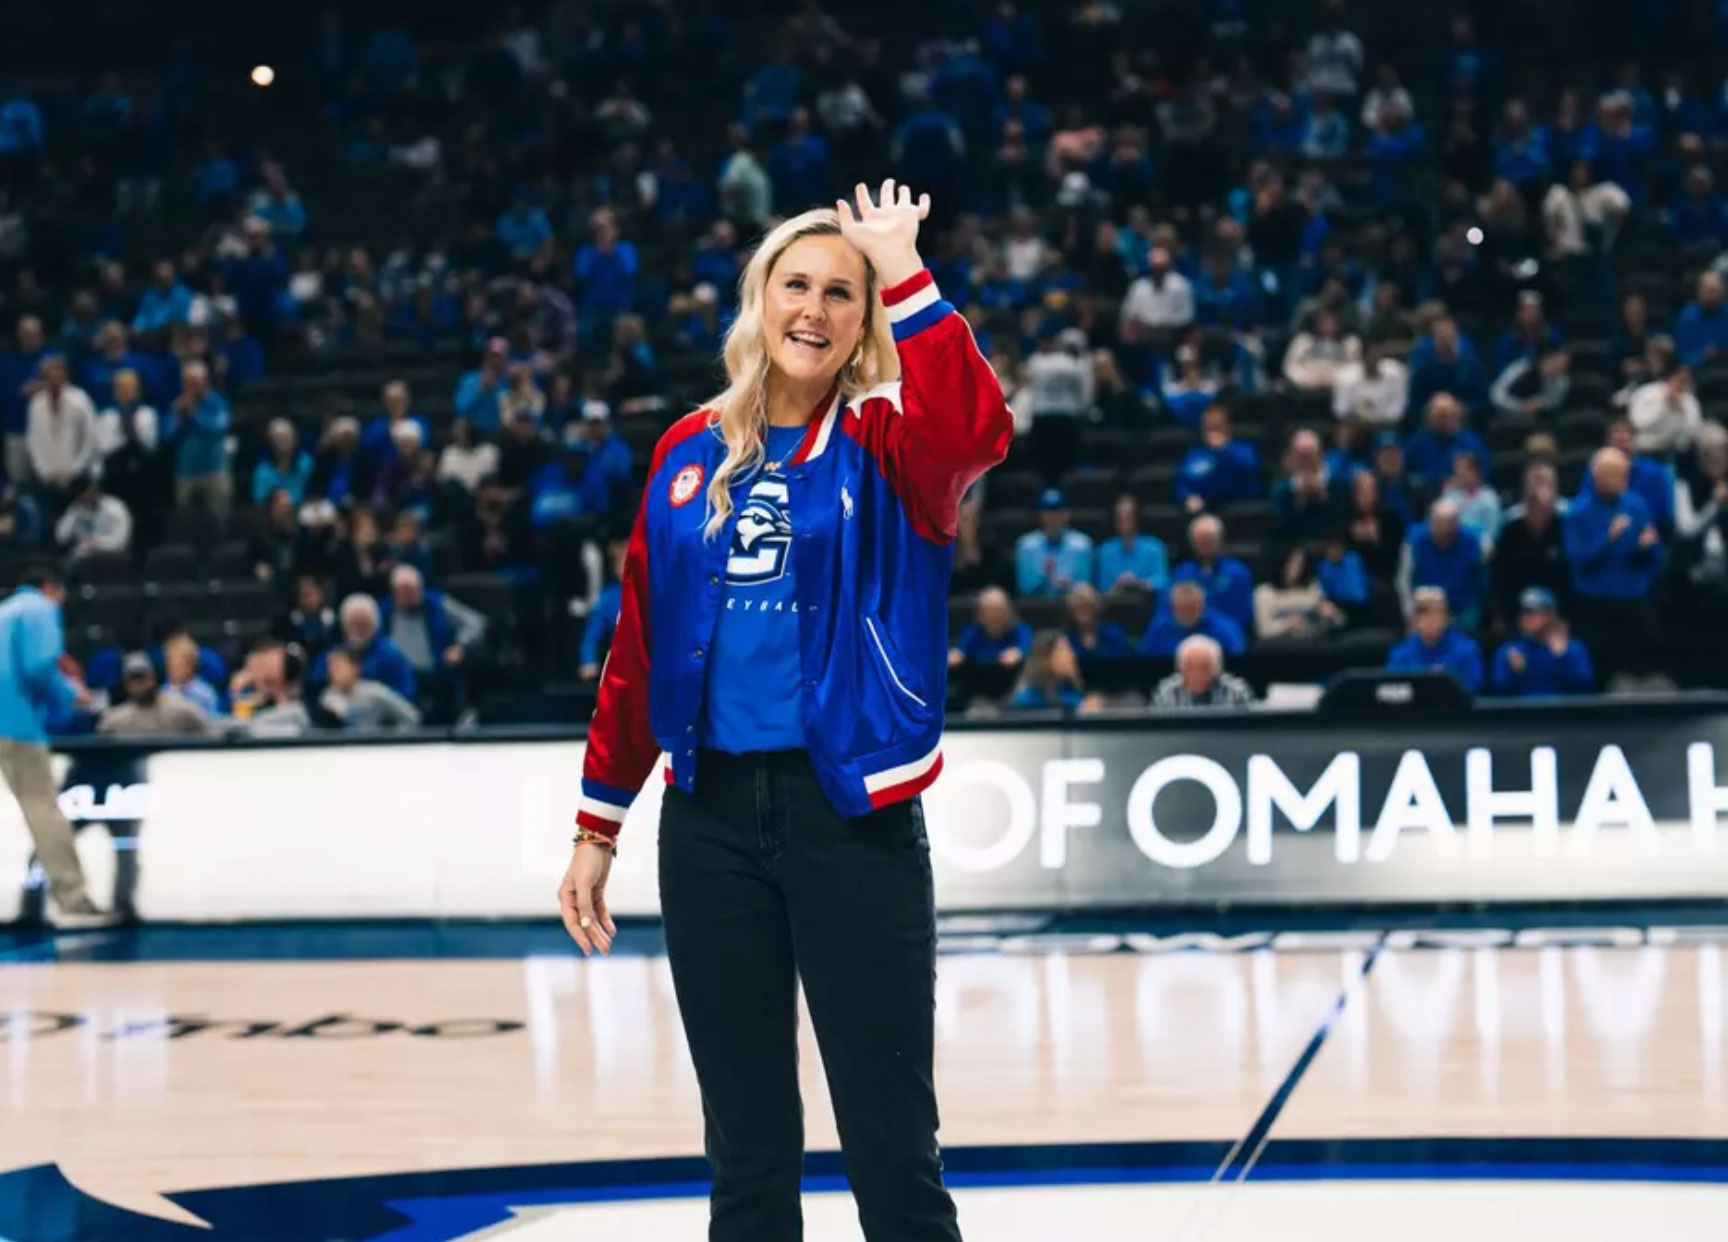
(739, 414)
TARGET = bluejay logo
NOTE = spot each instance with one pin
(763, 535)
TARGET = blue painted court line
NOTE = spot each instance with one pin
(1248, 1150)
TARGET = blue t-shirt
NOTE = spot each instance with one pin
(753, 699)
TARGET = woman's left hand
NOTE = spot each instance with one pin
(886, 231)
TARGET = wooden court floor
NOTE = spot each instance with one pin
(1568, 1091)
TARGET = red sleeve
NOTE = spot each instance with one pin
(946, 421)
(621, 747)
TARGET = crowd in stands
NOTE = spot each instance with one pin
(1328, 345)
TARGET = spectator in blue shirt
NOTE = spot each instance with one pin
(286, 466)
(166, 302)
(1701, 332)
(1131, 559)
(1326, 132)
(377, 438)
(1529, 335)
(1616, 555)
(478, 391)
(609, 458)
(996, 637)
(1434, 646)
(379, 658)
(1093, 638)
(259, 277)
(1220, 469)
(523, 229)
(1429, 453)
(1651, 479)
(603, 616)
(1229, 584)
(1051, 680)
(1051, 560)
(798, 167)
(1188, 614)
(1616, 147)
(278, 206)
(1445, 554)
(1698, 217)
(605, 274)
(1544, 660)
(200, 438)
(1446, 362)
(1521, 156)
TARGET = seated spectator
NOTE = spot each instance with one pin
(1389, 473)
(1187, 613)
(147, 712)
(1701, 332)
(377, 438)
(997, 637)
(1534, 388)
(1374, 390)
(1051, 679)
(1375, 530)
(1315, 359)
(1478, 504)
(286, 467)
(1445, 554)
(522, 398)
(467, 461)
(1544, 660)
(1051, 560)
(1530, 551)
(1616, 556)
(341, 473)
(1220, 469)
(1094, 639)
(1530, 335)
(1665, 413)
(1434, 646)
(1160, 301)
(1186, 388)
(1291, 604)
(167, 301)
(479, 392)
(602, 621)
(94, 523)
(1429, 452)
(1227, 582)
(275, 682)
(1200, 679)
(1447, 363)
(311, 622)
(1344, 582)
(1698, 218)
(609, 456)
(1701, 511)
(1306, 501)
(523, 229)
(380, 658)
(436, 634)
(360, 705)
(181, 676)
(276, 547)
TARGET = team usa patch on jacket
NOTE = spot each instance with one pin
(685, 484)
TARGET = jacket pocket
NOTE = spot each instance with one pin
(897, 679)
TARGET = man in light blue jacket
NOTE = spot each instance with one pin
(31, 685)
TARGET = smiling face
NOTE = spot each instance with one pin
(813, 309)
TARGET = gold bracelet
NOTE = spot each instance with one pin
(587, 836)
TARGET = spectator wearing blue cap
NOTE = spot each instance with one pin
(1444, 553)
(1435, 646)
(1053, 559)
(1187, 613)
(1544, 660)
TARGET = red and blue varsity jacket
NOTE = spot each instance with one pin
(874, 492)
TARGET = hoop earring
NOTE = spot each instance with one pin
(856, 360)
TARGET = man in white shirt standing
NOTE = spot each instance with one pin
(1159, 301)
(61, 429)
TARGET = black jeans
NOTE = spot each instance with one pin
(763, 884)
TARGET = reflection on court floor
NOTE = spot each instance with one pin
(158, 1086)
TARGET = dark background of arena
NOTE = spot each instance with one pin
(405, 133)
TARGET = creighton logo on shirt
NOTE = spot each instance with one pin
(762, 538)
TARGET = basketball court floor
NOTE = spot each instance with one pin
(1106, 1083)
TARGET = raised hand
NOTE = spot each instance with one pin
(885, 232)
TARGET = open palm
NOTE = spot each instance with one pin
(885, 231)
